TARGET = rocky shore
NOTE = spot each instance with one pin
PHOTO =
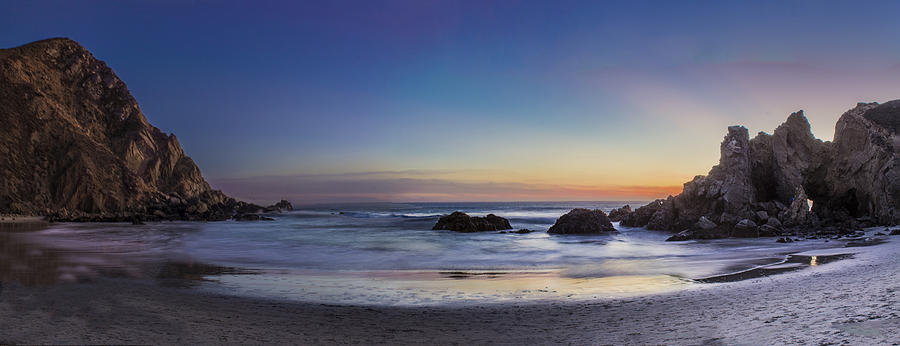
(75, 146)
(789, 182)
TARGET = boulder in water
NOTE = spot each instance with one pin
(462, 222)
(583, 221)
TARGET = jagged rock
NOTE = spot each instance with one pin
(665, 217)
(798, 213)
(280, 206)
(774, 223)
(75, 145)
(691, 234)
(246, 217)
(641, 216)
(852, 181)
(895, 232)
(462, 222)
(682, 236)
(252, 217)
(768, 230)
(620, 213)
(745, 228)
(705, 224)
(726, 190)
(863, 178)
(582, 221)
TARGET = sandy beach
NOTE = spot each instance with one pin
(851, 301)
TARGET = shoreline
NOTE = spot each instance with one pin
(847, 301)
(16, 218)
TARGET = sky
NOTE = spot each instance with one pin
(406, 101)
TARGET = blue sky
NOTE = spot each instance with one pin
(546, 99)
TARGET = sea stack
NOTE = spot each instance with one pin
(763, 186)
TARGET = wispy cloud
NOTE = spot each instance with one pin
(375, 186)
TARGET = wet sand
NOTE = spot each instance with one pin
(19, 219)
(848, 301)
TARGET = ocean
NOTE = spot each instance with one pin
(387, 254)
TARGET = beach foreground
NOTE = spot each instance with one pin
(848, 301)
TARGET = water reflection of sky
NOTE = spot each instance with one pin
(324, 256)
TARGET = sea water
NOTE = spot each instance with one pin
(387, 254)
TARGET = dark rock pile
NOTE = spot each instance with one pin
(762, 186)
(582, 221)
(462, 222)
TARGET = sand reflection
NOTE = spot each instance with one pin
(423, 288)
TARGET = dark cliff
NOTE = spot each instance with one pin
(74, 142)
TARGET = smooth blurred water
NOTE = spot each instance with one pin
(388, 253)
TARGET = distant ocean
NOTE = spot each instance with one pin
(387, 254)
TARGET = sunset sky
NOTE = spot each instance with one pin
(335, 101)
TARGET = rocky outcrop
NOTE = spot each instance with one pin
(280, 206)
(76, 146)
(763, 186)
(862, 179)
(618, 214)
(641, 216)
(583, 221)
(462, 222)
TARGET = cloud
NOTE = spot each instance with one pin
(381, 186)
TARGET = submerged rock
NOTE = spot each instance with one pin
(246, 217)
(583, 221)
(462, 222)
(691, 234)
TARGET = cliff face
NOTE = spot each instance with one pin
(761, 186)
(863, 177)
(74, 140)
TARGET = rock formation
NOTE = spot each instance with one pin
(76, 146)
(462, 222)
(582, 221)
(280, 206)
(762, 186)
(618, 214)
